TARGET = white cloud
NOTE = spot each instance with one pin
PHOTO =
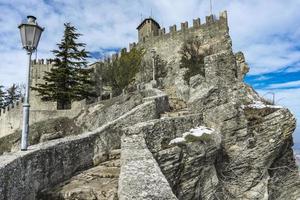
(284, 85)
(262, 78)
(266, 31)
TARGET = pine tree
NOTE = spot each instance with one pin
(69, 79)
(12, 94)
(2, 97)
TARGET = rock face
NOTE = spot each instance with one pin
(253, 159)
(100, 182)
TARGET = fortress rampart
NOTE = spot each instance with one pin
(50, 163)
(211, 22)
(213, 34)
(11, 116)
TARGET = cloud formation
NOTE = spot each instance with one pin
(291, 84)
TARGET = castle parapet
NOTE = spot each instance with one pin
(173, 28)
(131, 46)
(223, 17)
(210, 19)
(42, 61)
(10, 107)
(196, 23)
(210, 22)
(162, 31)
(184, 26)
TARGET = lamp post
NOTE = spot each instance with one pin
(153, 63)
(30, 35)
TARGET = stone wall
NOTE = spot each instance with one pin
(23, 174)
(11, 116)
(213, 35)
(214, 29)
(141, 177)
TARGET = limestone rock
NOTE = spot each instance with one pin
(100, 182)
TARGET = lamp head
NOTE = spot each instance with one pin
(30, 34)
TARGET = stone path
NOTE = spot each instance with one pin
(178, 108)
(97, 183)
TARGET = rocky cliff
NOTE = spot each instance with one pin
(212, 137)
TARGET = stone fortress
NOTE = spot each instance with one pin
(150, 36)
(145, 144)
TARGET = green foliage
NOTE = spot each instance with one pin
(69, 79)
(120, 72)
(12, 94)
(2, 97)
(146, 69)
(192, 58)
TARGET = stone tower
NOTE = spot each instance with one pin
(147, 28)
(38, 71)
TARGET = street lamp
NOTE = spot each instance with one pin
(30, 35)
(153, 52)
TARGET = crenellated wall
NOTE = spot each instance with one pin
(213, 34)
(11, 116)
(211, 22)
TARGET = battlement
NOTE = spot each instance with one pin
(16, 105)
(211, 21)
(43, 61)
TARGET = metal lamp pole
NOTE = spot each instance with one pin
(153, 63)
(30, 35)
(26, 106)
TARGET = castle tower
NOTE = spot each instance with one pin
(147, 28)
(38, 71)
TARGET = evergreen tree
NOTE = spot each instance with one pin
(12, 94)
(2, 97)
(69, 79)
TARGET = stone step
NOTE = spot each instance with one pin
(104, 172)
(100, 182)
(177, 104)
(114, 154)
(112, 163)
(175, 113)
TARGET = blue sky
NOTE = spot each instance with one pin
(266, 31)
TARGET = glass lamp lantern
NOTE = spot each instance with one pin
(30, 34)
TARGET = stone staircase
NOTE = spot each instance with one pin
(100, 182)
(178, 108)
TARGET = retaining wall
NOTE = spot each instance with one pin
(140, 176)
(11, 117)
(24, 174)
